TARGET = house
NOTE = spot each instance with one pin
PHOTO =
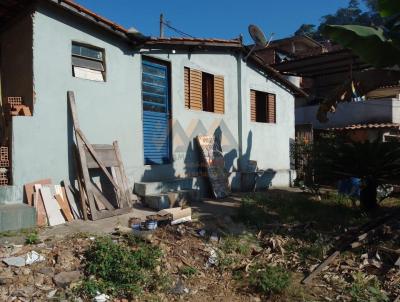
(152, 95)
(375, 116)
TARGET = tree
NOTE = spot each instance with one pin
(378, 46)
(352, 14)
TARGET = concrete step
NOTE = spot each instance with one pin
(11, 195)
(16, 217)
(166, 200)
(172, 185)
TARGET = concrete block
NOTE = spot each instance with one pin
(11, 195)
(16, 217)
(157, 201)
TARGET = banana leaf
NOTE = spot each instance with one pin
(369, 43)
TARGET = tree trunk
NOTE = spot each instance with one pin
(368, 194)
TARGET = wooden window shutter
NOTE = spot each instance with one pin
(187, 87)
(253, 105)
(271, 111)
(219, 94)
(195, 90)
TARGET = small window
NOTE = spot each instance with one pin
(263, 107)
(204, 91)
(88, 63)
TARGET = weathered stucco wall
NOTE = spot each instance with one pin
(16, 60)
(113, 110)
(266, 143)
(107, 111)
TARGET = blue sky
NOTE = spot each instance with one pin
(215, 18)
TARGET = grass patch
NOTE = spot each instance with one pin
(269, 280)
(277, 206)
(32, 238)
(118, 269)
(366, 289)
(236, 244)
(188, 271)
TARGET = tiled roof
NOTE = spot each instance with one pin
(367, 126)
(178, 41)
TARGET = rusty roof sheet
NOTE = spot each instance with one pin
(367, 126)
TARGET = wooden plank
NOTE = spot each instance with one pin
(82, 156)
(81, 189)
(97, 159)
(320, 267)
(64, 208)
(76, 212)
(99, 195)
(62, 201)
(107, 157)
(125, 184)
(41, 218)
(53, 213)
(30, 189)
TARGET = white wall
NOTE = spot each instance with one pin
(113, 110)
(268, 143)
(370, 111)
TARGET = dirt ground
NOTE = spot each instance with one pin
(223, 253)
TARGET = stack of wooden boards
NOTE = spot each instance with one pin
(55, 204)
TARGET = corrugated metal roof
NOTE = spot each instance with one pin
(367, 126)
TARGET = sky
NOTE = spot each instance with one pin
(223, 19)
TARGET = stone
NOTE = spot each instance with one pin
(6, 277)
(64, 279)
(48, 271)
(14, 261)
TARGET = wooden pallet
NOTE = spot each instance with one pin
(106, 158)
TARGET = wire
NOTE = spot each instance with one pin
(167, 24)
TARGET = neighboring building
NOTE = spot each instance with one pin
(377, 115)
(153, 96)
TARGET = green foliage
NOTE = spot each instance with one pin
(352, 14)
(188, 271)
(32, 238)
(379, 46)
(235, 244)
(269, 279)
(117, 269)
(365, 289)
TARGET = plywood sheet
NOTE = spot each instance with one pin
(54, 215)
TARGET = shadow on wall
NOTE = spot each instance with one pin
(252, 178)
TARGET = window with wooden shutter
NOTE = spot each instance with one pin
(219, 94)
(204, 91)
(271, 108)
(262, 107)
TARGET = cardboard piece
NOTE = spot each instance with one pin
(213, 159)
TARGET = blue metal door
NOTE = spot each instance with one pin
(155, 96)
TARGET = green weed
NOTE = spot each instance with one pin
(269, 280)
(32, 238)
(188, 271)
(118, 269)
(364, 289)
